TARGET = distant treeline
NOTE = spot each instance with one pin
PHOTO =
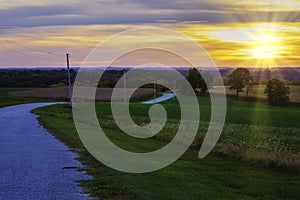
(34, 78)
(55, 78)
(50, 78)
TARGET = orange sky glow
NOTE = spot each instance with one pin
(264, 34)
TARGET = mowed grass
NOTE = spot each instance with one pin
(258, 92)
(214, 177)
(238, 112)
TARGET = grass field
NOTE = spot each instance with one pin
(258, 92)
(257, 156)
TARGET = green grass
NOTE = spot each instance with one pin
(268, 140)
(235, 170)
(238, 112)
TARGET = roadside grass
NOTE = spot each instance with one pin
(247, 144)
(214, 177)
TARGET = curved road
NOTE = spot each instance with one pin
(164, 97)
(33, 164)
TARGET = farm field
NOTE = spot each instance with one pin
(258, 92)
(6, 99)
(104, 94)
(257, 155)
(62, 93)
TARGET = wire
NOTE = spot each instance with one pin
(28, 48)
(24, 54)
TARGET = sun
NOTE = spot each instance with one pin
(265, 52)
(266, 38)
(265, 46)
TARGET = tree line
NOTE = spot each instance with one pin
(50, 78)
(34, 78)
(240, 79)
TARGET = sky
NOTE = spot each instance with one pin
(245, 33)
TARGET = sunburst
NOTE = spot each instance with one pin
(265, 46)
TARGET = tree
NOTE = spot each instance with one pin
(197, 81)
(277, 92)
(249, 85)
(224, 80)
(104, 83)
(238, 79)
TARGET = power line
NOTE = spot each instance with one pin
(28, 48)
(25, 54)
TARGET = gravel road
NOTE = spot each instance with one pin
(33, 164)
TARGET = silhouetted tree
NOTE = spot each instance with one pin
(277, 92)
(238, 79)
(249, 85)
(224, 80)
(197, 81)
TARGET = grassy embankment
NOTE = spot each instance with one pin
(260, 144)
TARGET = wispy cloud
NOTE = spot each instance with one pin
(76, 12)
(226, 28)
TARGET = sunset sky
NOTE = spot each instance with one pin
(246, 33)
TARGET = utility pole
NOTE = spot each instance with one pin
(154, 90)
(174, 88)
(124, 75)
(69, 78)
